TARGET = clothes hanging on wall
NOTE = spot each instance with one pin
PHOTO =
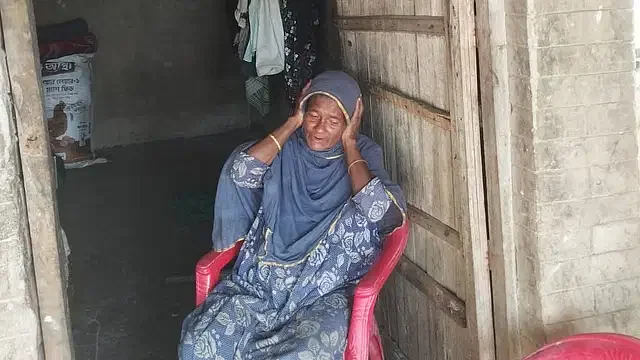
(242, 28)
(280, 36)
(232, 25)
(302, 29)
(241, 40)
(241, 11)
(266, 38)
(257, 89)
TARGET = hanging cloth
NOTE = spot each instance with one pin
(266, 38)
(257, 89)
(241, 10)
(301, 21)
(242, 40)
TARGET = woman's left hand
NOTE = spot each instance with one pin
(350, 134)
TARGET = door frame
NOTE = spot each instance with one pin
(495, 114)
(465, 98)
(23, 64)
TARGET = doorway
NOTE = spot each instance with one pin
(184, 164)
(170, 105)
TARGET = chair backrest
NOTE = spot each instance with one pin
(393, 247)
(597, 346)
(366, 293)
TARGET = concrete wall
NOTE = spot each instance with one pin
(576, 194)
(163, 69)
(19, 321)
(587, 167)
(529, 333)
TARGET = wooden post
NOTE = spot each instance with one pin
(470, 198)
(493, 73)
(18, 28)
(14, 219)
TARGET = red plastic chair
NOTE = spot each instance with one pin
(598, 346)
(363, 340)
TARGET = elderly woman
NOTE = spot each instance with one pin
(311, 202)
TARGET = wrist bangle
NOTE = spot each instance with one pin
(276, 141)
(355, 162)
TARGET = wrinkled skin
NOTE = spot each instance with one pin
(323, 123)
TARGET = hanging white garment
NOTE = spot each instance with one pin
(242, 8)
(266, 39)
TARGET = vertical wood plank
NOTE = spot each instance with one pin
(414, 315)
(416, 168)
(350, 50)
(23, 63)
(403, 312)
(395, 130)
(348, 8)
(340, 5)
(393, 309)
(493, 72)
(382, 313)
(404, 166)
(398, 75)
(15, 198)
(362, 58)
(371, 68)
(422, 334)
(436, 333)
(468, 176)
(377, 112)
(432, 62)
(362, 46)
(431, 7)
(377, 115)
(388, 111)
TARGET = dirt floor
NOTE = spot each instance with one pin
(136, 227)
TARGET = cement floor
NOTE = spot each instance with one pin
(136, 227)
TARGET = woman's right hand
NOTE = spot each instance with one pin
(298, 117)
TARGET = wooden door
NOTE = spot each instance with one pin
(416, 61)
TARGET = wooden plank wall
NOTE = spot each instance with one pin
(405, 70)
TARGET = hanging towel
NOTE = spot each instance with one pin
(257, 89)
(266, 39)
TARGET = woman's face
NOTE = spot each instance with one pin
(323, 123)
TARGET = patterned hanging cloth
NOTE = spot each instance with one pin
(257, 90)
(301, 21)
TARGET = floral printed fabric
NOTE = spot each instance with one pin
(300, 312)
(301, 21)
(247, 171)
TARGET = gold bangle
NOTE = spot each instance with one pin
(276, 141)
(355, 162)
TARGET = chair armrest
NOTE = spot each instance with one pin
(208, 270)
(366, 293)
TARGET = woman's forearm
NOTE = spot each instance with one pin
(358, 170)
(266, 149)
